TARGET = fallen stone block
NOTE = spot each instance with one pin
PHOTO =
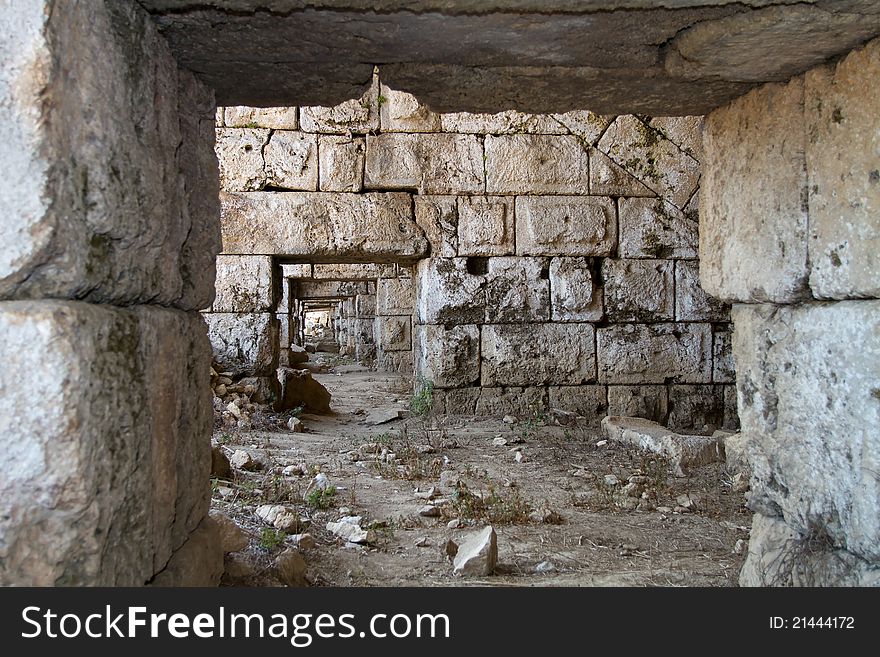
(384, 415)
(478, 554)
(349, 528)
(298, 388)
(683, 452)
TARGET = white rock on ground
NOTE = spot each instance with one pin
(280, 517)
(478, 554)
(349, 528)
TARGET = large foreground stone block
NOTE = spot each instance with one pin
(536, 164)
(447, 293)
(102, 194)
(655, 353)
(244, 284)
(808, 383)
(244, 343)
(447, 357)
(565, 225)
(322, 225)
(429, 163)
(106, 426)
(753, 198)
(521, 355)
(843, 168)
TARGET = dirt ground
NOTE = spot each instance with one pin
(556, 504)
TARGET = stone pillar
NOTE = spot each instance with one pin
(790, 232)
(109, 213)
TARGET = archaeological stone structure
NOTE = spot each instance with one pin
(518, 201)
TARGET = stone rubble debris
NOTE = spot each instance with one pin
(349, 529)
(478, 554)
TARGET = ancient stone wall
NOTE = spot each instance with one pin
(108, 211)
(540, 259)
(790, 234)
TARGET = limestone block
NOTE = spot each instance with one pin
(448, 357)
(536, 164)
(428, 163)
(589, 401)
(586, 125)
(240, 157)
(639, 290)
(686, 132)
(653, 228)
(437, 216)
(753, 198)
(402, 112)
(299, 389)
(517, 290)
(485, 226)
(513, 400)
(692, 304)
(353, 272)
(104, 187)
(296, 271)
(244, 284)
(395, 361)
(352, 116)
(809, 405)
(649, 156)
(655, 353)
(696, 407)
(292, 160)
(198, 562)
(365, 305)
(275, 118)
(565, 225)
(106, 428)
(722, 357)
(574, 295)
(321, 225)
(648, 402)
(607, 178)
(330, 289)
(503, 123)
(341, 163)
(244, 343)
(395, 296)
(394, 333)
(731, 413)
(843, 169)
(447, 293)
(522, 355)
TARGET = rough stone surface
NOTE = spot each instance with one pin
(198, 562)
(394, 333)
(292, 160)
(341, 163)
(243, 284)
(723, 370)
(843, 168)
(607, 178)
(243, 343)
(565, 225)
(356, 272)
(349, 116)
(232, 538)
(513, 354)
(438, 217)
(240, 154)
(639, 290)
(692, 304)
(501, 123)
(448, 357)
(648, 402)
(402, 112)
(322, 225)
(298, 388)
(290, 568)
(395, 296)
(645, 153)
(511, 400)
(446, 293)
(517, 290)
(430, 164)
(813, 448)
(653, 228)
(276, 118)
(106, 430)
(588, 401)
(477, 554)
(574, 295)
(655, 353)
(110, 194)
(753, 246)
(696, 407)
(536, 164)
(485, 226)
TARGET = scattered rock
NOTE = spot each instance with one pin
(519, 457)
(232, 538)
(349, 529)
(422, 542)
(611, 480)
(455, 523)
(545, 567)
(280, 517)
(320, 482)
(601, 443)
(632, 490)
(450, 549)
(429, 494)
(685, 501)
(220, 467)
(302, 541)
(297, 355)
(384, 415)
(237, 567)
(478, 554)
(499, 441)
(290, 568)
(233, 408)
(429, 511)
(546, 516)
(298, 388)
(741, 546)
(292, 471)
(509, 419)
(296, 425)
(243, 461)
